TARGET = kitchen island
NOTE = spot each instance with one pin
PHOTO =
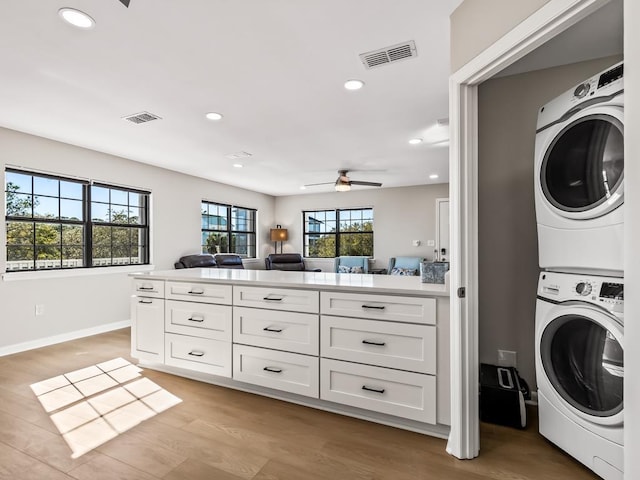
(371, 346)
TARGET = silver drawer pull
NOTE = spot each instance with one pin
(272, 369)
(196, 353)
(196, 318)
(271, 298)
(147, 302)
(271, 329)
(374, 390)
(145, 288)
(195, 291)
(373, 307)
(371, 342)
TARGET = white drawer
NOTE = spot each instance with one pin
(290, 372)
(277, 298)
(148, 288)
(198, 319)
(403, 394)
(386, 344)
(199, 292)
(200, 354)
(289, 331)
(380, 307)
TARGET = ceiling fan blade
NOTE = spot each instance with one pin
(371, 184)
(316, 184)
(125, 2)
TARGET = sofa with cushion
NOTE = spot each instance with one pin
(228, 260)
(197, 260)
(404, 266)
(287, 261)
(351, 264)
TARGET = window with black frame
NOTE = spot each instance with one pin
(228, 229)
(55, 222)
(338, 232)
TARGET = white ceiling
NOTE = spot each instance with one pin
(274, 68)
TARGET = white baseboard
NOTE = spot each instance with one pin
(63, 337)
(534, 399)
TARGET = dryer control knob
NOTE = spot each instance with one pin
(581, 90)
(583, 288)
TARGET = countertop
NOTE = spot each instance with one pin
(353, 282)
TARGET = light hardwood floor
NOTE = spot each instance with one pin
(222, 434)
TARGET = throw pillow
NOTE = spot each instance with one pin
(357, 270)
(344, 269)
(404, 271)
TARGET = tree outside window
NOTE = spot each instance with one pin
(333, 233)
(228, 229)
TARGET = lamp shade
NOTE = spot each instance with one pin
(279, 234)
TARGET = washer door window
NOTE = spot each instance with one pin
(582, 171)
(584, 363)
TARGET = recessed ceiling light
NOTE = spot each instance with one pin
(76, 18)
(415, 141)
(238, 165)
(214, 116)
(433, 176)
(353, 84)
(303, 187)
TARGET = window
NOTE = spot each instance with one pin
(60, 223)
(228, 229)
(332, 233)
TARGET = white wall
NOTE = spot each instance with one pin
(401, 215)
(95, 301)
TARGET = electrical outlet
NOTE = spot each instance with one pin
(39, 309)
(507, 358)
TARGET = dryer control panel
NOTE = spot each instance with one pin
(608, 292)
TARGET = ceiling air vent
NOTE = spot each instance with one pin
(391, 54)
(238, 155)
(142, 117)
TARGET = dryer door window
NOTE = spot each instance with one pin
(584, 363)
(584, 165)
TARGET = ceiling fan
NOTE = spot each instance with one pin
(343, 183)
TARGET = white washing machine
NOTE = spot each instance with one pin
(580, 368)
(579, 172)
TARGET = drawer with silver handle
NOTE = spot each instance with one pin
(290, 372)
(379, 307)
(403, 394)
(148, 288)
(198, 319)
(293, 300)
(199, 354)
(386, 344)
(199, 292)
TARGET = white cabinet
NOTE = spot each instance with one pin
(199, 292)
(198, 319)
(148, 288)
(276, 298)
(386, 344)
(288, 331)
(198, 354)
(147, 329)
(379, 307)
(290, 372)
(403, 394)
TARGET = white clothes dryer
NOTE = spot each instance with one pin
(579, 173)
(580, 367)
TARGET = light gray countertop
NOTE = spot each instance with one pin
(344, 282)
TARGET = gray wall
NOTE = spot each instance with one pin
(401, 215)
(95, 301)
(476, 24)
(508, 250)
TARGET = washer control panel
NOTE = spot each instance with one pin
(608, 292)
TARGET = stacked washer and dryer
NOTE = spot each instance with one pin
(579, 334)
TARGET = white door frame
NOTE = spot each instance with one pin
(544, 24)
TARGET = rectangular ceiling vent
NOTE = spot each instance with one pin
(142, 117)
(387, 55)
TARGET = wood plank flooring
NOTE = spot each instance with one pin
(222, 434)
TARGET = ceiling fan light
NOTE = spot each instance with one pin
(342, 187)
